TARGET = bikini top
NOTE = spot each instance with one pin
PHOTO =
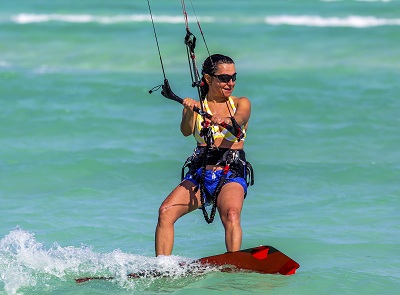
(216, 130)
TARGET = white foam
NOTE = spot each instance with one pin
(318, 21)
(26, 18)
(292, 20)
(4, 64)
(25, 262)
(384, 1)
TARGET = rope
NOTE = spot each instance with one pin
(155, 35)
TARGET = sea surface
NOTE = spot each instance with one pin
(87, 155)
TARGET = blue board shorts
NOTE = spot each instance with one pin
(212, 179)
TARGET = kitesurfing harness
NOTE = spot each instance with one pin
(206, 132)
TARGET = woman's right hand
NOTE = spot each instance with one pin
(190, 103)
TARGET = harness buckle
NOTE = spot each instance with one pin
(226, 169)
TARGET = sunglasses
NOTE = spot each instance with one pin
(225, 78)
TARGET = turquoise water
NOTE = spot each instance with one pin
(87, 155)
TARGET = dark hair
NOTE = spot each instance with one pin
(210, 66)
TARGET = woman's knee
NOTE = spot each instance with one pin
(231, 216)
(165, 214)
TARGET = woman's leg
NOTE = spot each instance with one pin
(179, 202)
(230, 204)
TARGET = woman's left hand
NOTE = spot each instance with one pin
(218, 120)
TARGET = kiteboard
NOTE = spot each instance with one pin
(261, 259)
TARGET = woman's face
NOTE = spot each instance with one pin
(223, 81)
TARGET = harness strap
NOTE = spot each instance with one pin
(209, 141)
(214, 197)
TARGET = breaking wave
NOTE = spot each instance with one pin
(26, 18)
(318, 21)
(353, 21)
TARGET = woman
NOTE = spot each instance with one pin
(219, 155)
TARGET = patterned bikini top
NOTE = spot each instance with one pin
(216, 130)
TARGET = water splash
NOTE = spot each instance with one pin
(27, 263)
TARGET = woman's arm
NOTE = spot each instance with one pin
(243, 111)
(188, 116)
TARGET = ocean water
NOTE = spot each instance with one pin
(87, 154)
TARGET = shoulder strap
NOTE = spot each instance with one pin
(205, 104)
(232, 104)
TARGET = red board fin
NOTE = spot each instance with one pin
(260, 252)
